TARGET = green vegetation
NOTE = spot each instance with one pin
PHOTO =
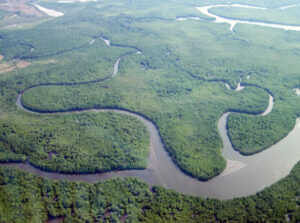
(129, 200)
(177, 123)
(245, 131)
(71, 143)
(38, 198)
(287, 16)
(178, 82)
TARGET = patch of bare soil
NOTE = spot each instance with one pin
(9, 66)
(46, 61)
(4, 70)
(21, 7)
(22, 64)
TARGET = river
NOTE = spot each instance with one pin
(232, 22)
(243, 175)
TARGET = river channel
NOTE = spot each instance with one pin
(243, 175)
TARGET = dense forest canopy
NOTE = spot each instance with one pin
(163, 60)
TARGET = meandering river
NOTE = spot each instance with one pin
(233, 22)
(243, 175)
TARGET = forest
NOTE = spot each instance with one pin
(180, 75)
(130, 200)
(90, 142)
(176, 98)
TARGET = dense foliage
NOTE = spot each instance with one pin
(274, 14)
(178, 82)
(129, 200)
(71, 143)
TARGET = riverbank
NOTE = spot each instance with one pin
(233, 22)
(161, 170)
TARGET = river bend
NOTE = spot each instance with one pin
(232, 22)
(243, 175)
